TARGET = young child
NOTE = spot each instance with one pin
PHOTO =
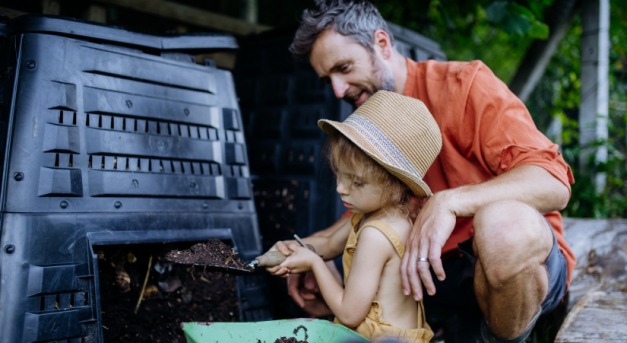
(379, 155)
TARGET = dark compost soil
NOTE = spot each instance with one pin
(184, 284)
(293, 339)
(173, 294)
(213, 253)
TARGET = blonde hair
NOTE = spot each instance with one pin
(342, 152)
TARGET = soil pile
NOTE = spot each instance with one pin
(173, 294)
(214, 253)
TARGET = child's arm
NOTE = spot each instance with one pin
(328, 245)
(351, 304)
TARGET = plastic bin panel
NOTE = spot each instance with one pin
(97, 121)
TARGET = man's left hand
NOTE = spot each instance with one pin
(432, 227)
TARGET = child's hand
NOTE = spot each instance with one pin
(281, 246)
(300, 260)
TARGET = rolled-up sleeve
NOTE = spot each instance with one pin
(549, 159)
(504, 135)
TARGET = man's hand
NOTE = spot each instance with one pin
(302, 287)
(432, 227)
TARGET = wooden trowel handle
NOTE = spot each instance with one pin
(270, 259)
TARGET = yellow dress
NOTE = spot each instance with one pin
(374, 326)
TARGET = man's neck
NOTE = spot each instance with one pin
(399, 70)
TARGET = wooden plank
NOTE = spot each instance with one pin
(10, 12)
(598, 300)
(96, 13)
(50, 7)
(594, 104)
(599, 246)
(597, 317)
(188, 15)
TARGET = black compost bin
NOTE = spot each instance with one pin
(112, 138)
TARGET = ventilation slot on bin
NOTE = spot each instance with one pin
(113, 156)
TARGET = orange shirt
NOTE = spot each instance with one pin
(486, 131)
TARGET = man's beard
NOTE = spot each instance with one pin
(383, 80)
(383, 76)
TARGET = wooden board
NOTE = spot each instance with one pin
(189, 15)
(597, 317)
(598, 289)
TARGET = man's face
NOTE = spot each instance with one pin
(353, 72)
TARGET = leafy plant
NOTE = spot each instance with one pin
(498, 32)
(516, 19)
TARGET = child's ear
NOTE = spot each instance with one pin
(383, 43)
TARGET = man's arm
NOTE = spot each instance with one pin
(529, 184)
(328, 243)
(303, 288)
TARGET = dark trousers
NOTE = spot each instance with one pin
(454, 309)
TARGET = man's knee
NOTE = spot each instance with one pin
(509, 237)
(508, 226)
(499, 215)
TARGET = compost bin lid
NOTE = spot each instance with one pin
(70, 27)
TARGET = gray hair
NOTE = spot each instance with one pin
(356, 19)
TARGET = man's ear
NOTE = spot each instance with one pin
(383, 43)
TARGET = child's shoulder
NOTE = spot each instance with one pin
(394, 228)
(391, 217)
(397, 222)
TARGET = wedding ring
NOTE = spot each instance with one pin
(422, 259)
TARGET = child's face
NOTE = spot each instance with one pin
(358, 194)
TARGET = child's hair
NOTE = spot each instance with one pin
(342, 151)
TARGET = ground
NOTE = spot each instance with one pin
(598, 303)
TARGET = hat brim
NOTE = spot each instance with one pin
(417, 186)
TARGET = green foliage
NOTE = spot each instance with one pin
(499, 32)
(496, 32)
(611, 201)
(557, 97)
(516, 20)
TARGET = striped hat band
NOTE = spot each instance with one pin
(398, 132)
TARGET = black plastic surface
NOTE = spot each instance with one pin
(84, 30)
(106, 144)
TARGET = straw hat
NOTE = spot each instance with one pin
(398, 132)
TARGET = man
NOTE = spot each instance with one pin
(489, 243)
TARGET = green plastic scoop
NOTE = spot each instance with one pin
(307, 330)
